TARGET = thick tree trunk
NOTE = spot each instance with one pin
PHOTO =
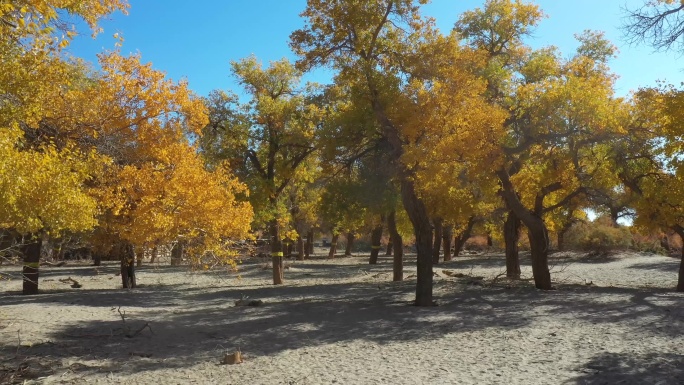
(350, 243)
(448, 232)
(333, 246)
(417, 213)
(376, 236)
(389, 247)
(437, 243)
(511, 236)
(177, 252)
(276, 252)
(538, 234)
(300, 248)
(665, 243)
(398, 245)
(127, 252)
(31, 252)
(308, 248)
(97, 258)
(462, 237)
(680, 280)
(539, 245)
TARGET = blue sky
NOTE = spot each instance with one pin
(197, 40)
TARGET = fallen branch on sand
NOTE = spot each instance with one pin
(127, 329)
(74, 283)
(52, 264)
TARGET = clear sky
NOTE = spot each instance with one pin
(196, 40)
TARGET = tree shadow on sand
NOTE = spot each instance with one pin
(629, 369)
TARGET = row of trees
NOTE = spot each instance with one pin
(108, 154)
(426, 133)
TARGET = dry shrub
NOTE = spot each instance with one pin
(598, 236)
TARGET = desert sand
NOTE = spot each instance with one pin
(612, 320)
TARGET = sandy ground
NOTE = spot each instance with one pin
(343, 322)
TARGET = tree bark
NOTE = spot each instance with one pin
(538, 234)
(680, 280)
(448, 232)
(308, 248)
(350, 243)
(389, 247)
(511, 236)
(376, 236)
(30, 271)
(462, 237)
(276, 252)
(128, 265)
(97, 258)
(300, 248)
(398, 245)
(333, 246)
(155, 252)
(177, 252)
(417, 213)
(437, 243)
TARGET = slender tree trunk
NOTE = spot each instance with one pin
(97, 258)
(490, 241)
(376, 236)
(398, 245)
(333, 246)
(308, 248)
(31, 251)
(448, 233)
(462, 237)
(127, 265)
(155, 252)
(437, 243)
(417, 213)
(139, 258)
(276, 252)
(389, 247)
(287, 248)
(300, 248)
(511, 236)
(350, 243)
(680, 280)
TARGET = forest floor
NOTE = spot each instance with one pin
(612, 320)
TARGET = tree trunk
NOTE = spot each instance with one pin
(139, 258)
(539, 244)
(417, 213)
(462, 237)
(300, 248)
(665, 243)
(350, 243)
(97, 258)
(389, 247)
(490, 241)
(448, 232)
(437, 243)
(276, 252)
(155, 252)
(680, 280)
(333, 246)
(376, 236)
(128, 265)
(177, 252)
(537, 232)
(511, 236)
(30, 271)
(398, 245)
(308, 248)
